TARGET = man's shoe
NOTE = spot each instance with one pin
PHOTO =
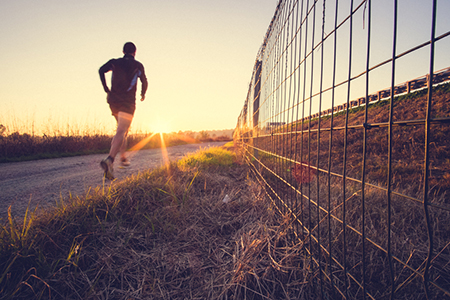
(107, 166)
(125, 162)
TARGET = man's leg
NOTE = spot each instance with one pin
(123, 148)
(123, 124)
(118, 143)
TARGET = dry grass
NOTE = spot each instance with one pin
(165, 234)
(408, 142)
(23, 146)
(330, 215)
(326, 238)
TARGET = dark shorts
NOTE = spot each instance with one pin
(119, 103)
(128, 108)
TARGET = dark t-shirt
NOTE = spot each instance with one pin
(125, 72)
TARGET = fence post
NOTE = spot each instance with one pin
(256, 98)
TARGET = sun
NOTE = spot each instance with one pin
(160, 126)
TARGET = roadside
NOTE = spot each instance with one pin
(42, 183)
(200, 229)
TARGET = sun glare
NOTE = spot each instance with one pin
(164, 153)
(142, 143)
(160, 126)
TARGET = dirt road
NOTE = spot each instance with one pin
(44, 182)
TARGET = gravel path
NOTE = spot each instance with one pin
(43, 182)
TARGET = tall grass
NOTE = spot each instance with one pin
(27, 139)
(162, 234)
(19, 147)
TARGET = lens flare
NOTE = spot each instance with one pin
(164, 153)
(142, 143)
(165, 156)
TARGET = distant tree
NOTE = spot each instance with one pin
(189, 134)
(204, 135)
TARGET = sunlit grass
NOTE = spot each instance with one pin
(25, 139)
(18, 147)
(212, 157)
(170, 227)
(229, 144)
(162, 227)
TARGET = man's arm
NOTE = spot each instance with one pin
(105, 69)
(144, 83)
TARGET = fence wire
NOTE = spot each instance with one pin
(346, 125)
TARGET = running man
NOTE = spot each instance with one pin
(122, 101)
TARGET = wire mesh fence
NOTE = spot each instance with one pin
(346, 124)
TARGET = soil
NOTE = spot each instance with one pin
(44, 183)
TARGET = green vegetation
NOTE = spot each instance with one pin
(207, 159)
(162, 234)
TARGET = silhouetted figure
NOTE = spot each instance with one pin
(122, 101)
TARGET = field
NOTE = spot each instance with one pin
(198, 229)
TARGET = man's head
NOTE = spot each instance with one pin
(129, 48)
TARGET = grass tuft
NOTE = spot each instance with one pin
(215, 157)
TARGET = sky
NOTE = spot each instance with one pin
(198, 57)
(288, 100)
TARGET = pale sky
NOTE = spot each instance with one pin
(198, 56)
